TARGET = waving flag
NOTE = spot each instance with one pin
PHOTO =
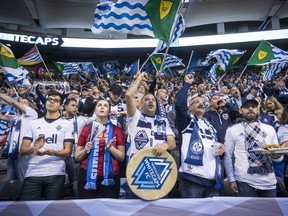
(133, 68)
(154, 18)
(170, 61)
(13, 71)
(271, 70)
(267, 53)
(195, 61)
(87, 67)
(213, 73)
(31, 58)
(225, 57)
(109, 67)
(179, 30)
(67, 68)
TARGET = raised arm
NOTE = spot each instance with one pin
(13, 102)
(129, 96)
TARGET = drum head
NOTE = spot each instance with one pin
(150, 177)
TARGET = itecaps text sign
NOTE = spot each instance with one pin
(52, 41)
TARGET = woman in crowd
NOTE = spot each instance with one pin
(273, 107)
(101, 147)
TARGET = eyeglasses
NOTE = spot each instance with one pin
(54, 100)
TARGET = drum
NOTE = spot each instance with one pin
(150, 177)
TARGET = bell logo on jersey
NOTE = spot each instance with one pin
(51, 140)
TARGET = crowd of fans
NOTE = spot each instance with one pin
(57, 128)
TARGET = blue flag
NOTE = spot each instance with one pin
(134, 67)
(109, 67)
(195, 61)
(87, 67)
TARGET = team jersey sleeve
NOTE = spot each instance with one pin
(28, 131)
(69, 136)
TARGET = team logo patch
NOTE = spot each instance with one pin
(197, 147)
(141, 139)
(225, 116)
(59, 127)
(151, 173)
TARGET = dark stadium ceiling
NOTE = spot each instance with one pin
(74, 18)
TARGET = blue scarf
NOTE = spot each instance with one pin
(196, 148)
(196, 151)
(92, 165)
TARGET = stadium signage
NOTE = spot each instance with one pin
(52, 41)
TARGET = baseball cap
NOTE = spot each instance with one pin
(246, 101)
(116, 89)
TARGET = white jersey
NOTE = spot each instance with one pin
(235, 146)
(56, 133)
(145, 132)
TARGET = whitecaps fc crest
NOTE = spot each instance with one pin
(151, 173)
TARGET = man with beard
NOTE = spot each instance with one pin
(235, 99)
(252, 174)
(200, 169)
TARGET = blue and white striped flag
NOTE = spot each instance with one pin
(68, 67)
(225, 57)
(154, 18)
(213, 73)
(122, 16)
(279, 54)
(172, 61)
(273, 69)
(179, 30)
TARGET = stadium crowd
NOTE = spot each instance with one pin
(52, 132)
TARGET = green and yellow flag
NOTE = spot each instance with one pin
(157, 59)
(262, 55)
(162, 15)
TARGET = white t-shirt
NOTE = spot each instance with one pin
(145, 132)
(56, 133)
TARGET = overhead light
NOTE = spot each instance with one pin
(146, 43)
(182, 42)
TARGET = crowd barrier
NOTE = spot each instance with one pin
(224, 206)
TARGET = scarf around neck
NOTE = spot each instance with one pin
(254, 138)
(92, 165)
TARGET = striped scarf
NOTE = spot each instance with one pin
(92, 165)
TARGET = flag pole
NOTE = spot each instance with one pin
(44, 62)
(145, 62)
(242, 72)
(186, 69)
(221, 78)
(171, 33)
